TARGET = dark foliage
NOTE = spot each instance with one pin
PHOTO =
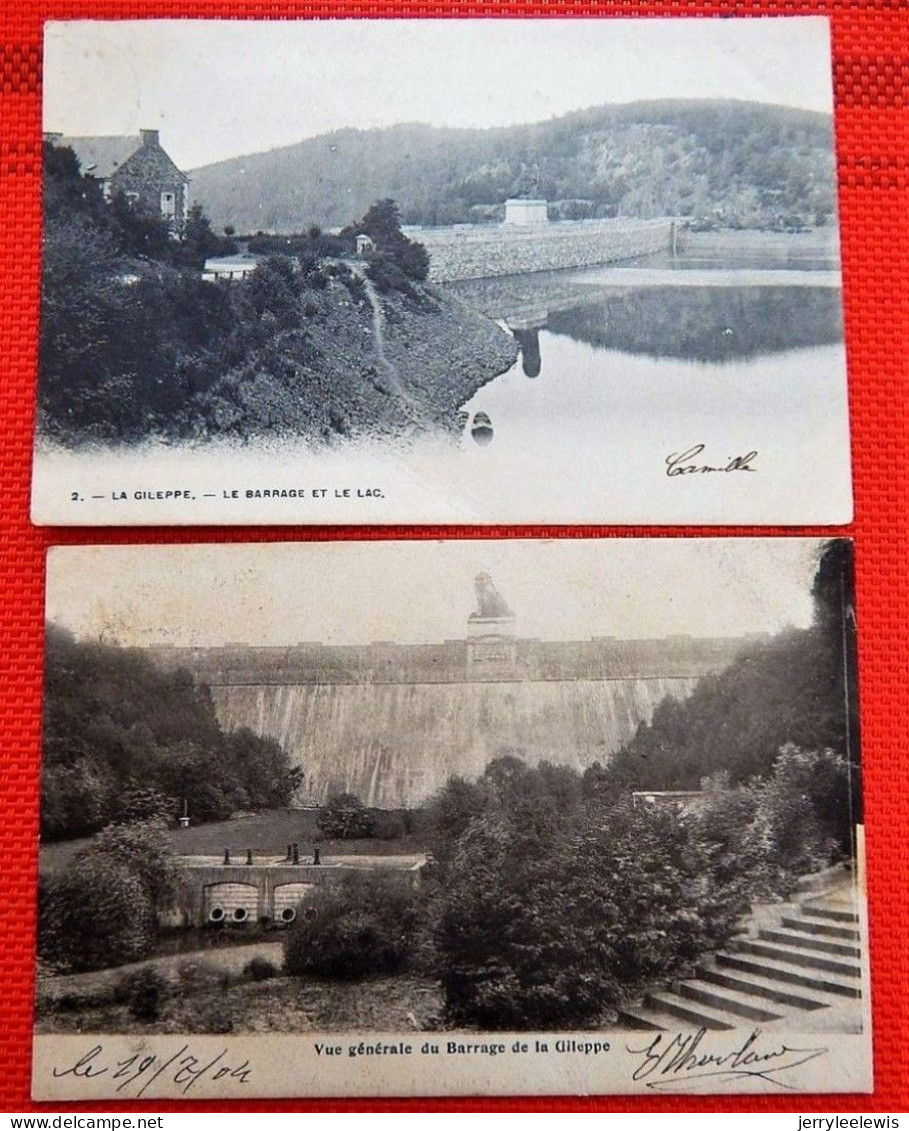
(798, 688)
(546, 919)
(551, 909)
(353, 929)
(260, 969)
(123, 739)
(382, 223)
(134, 343)
(143, 992)
(309, 247)
(345, 817)
(102, 909)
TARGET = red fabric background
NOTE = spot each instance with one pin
(871, 62)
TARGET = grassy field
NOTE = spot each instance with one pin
(267, 833)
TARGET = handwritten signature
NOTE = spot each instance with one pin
(183, 1069)
(667, 1060)
(686, 463)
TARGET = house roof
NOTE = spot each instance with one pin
(101, 157)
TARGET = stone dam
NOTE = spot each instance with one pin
(482, 251)
(392, 722)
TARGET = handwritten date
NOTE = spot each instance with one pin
(182, 1069)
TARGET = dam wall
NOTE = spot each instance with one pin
(392, 722)
(452, 661)
(480, 251)
(395, 744)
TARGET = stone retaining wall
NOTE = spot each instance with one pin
(483, 251)
(263, 889)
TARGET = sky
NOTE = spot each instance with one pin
(423, 592)
(218, 89)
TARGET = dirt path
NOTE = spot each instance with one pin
(388, 370)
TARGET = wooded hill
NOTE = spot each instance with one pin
(124, 741)
(721, 163)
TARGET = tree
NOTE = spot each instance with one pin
(544, 924)
(382, 223)
(345, 817)
(198, 241)
(96, 915)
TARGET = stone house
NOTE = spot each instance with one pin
(136, 166)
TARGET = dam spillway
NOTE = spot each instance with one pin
(393, 722)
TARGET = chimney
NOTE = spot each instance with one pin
(149, 137)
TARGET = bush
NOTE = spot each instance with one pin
(364, 925)
(762, 837)
(101, 910)
(96, 914)
(142, 991)
(345, 817)
(259, 969)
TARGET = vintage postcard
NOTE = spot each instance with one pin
(440, 271)
(451, 818)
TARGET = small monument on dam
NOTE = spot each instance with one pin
(393, 722)
(490, 629)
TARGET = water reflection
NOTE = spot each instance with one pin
(690, 323)
(704, 323)
(481, 429)
(529, 341)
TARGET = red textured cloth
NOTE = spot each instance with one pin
(871, 61)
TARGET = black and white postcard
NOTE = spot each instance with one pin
(386, 271)
(451, 817)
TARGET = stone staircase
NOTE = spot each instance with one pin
(799, 968)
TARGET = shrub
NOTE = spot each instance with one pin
(96, 914)
(345, 817)
(364, 925)
(101, 910)
(259, 969)
(194, 976)
(142, 991)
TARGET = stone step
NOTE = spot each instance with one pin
(690, 1013)
(770, 989)
(738, 1002)
(825, 911)
(807, 941)
(783, 971)
(651, 1020)
(820, 927)
(797, 956)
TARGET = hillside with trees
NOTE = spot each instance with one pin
(719, 163)
(798, 687)
(124, 741)
(136, 344)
